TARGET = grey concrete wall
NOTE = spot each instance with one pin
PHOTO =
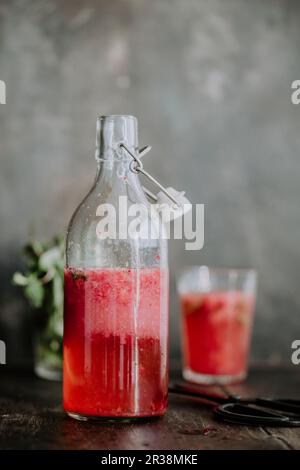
(210, 84)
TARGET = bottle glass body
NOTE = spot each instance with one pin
(116, 292)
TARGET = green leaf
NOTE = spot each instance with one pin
(32, 251)
(37, 247)
(45, 263)
(34, 291)
(50, 259)
(56, 324)
(19, 279)
(58, 291)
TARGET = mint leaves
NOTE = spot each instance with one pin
(42, 284)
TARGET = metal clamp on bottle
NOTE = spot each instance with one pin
(180, 204)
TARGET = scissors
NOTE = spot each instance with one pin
(233, 409)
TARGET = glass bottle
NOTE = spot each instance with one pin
(116, 291)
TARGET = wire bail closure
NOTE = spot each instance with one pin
(136, 166)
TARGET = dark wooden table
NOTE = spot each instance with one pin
(31, 417)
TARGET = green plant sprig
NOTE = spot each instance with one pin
(45, 266)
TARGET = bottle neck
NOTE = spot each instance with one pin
(111, 132)
(113, 162)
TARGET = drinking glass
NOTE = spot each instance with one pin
(217, 307)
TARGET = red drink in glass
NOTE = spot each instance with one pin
(216, 335)
(115, 342)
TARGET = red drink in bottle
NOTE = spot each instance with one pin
(115, 342)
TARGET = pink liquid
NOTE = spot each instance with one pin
(115, 342)
(216, 332)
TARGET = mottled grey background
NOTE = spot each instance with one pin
(210, 84)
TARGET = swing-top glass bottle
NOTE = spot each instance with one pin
(116, 292)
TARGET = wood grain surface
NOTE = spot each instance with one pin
(31, 417)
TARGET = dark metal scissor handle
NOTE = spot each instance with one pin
(262, 411)
(249, 414)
